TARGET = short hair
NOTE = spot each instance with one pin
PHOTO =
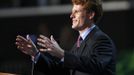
(91, 6)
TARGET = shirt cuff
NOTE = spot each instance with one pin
(62, 59)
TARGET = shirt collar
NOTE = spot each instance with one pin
(86, 32)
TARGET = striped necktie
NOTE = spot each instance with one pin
(79, 40)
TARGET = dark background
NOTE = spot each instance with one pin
(117, 24)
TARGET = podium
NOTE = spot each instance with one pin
(1, 73)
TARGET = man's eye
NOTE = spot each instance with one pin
(76, 11)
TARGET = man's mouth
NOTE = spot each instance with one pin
(74, 21)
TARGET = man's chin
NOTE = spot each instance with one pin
(75, 27)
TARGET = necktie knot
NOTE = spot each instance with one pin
(79, 40)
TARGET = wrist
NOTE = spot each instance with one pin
(61, 54)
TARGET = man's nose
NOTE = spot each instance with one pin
(71, 16)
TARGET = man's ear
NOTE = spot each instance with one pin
(91, 15)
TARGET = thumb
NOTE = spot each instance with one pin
(52, 38)
(29, 39)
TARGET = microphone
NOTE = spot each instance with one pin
(33, 40)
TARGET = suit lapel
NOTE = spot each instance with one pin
(82, 50)
(92, 33)
(88, 40)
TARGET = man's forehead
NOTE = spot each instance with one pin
(76, 7)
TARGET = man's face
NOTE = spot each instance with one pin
(80, 18)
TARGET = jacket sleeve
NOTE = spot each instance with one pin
(47, 64)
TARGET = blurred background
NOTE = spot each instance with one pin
(52, 17)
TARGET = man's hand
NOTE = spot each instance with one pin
(26, 45)
(50, 46)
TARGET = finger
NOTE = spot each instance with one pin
(20, 44)
(23, 46)
(52, 38)
(46, 42)
(29, 46)
(17, 43)
(21, 38)
(25, 50)
(20, 48)
(43, 50)
(42, 45)
(44, 38)
(49, 49)
(43, 41)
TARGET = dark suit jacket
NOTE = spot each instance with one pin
(95, 56)
(49, 65)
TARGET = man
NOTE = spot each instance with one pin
(94, 54)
